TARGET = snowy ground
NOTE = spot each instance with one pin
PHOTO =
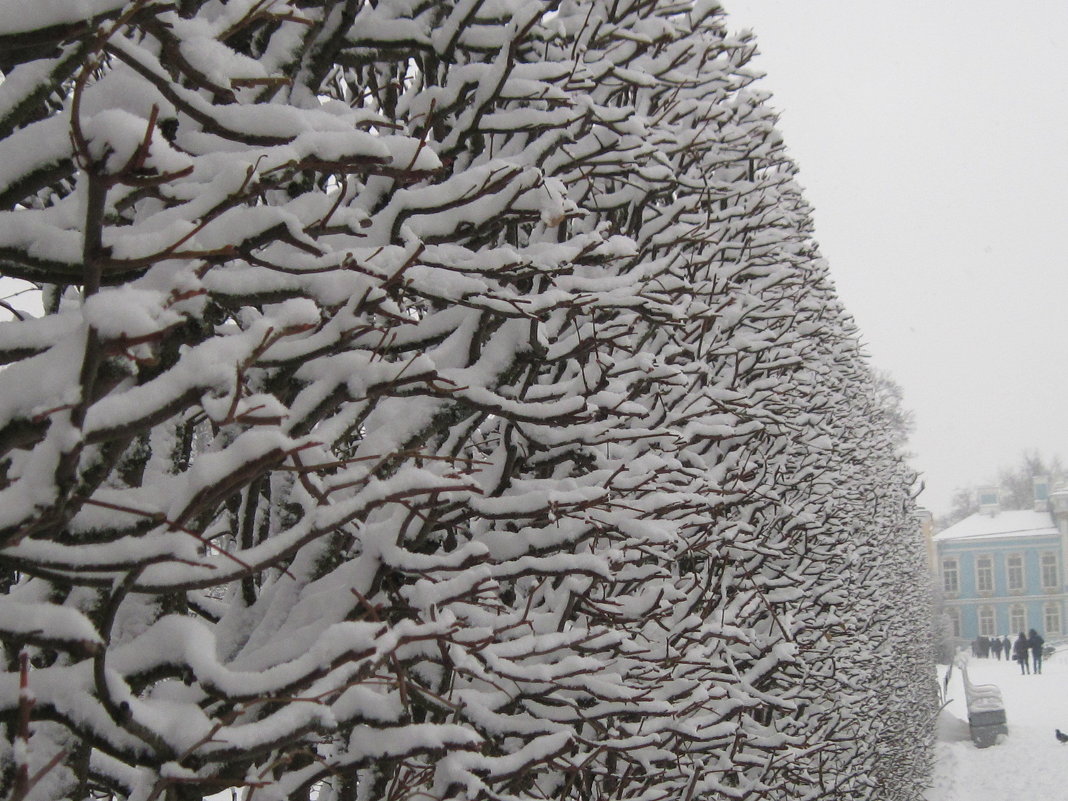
(1028, 764)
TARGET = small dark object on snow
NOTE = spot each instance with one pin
(1061, 736)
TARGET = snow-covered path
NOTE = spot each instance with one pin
(1028, 764)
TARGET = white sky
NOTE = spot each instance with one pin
(932, 137)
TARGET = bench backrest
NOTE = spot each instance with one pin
(980, 697)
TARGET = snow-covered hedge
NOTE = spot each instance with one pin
(434, 399)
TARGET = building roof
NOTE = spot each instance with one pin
(1017, 523)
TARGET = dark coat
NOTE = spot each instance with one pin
(1019, 649)
(1035, 642)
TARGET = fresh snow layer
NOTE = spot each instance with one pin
(1012, 523)
(1028, 764)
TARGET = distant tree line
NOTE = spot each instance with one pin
(435, 399)
(1015, 486)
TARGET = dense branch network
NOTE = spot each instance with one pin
(434, 399)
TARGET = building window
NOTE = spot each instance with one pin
(1018, 618)
(953, 613)
(984, 574)
(950, 576)
(1050, 573)
(986, 622)
(1053, 618)
(1014, 570)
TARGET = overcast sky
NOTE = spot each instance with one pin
(932, 137)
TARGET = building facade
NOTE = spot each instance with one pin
(1002, 572)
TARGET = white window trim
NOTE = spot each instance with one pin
(993, 588)
(1056, 567)
(1055, 608)
(1008, 573)
(954, 620)
(955, 562)
(986, 614)
(1017, 627)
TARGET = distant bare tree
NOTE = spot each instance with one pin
(1015, 486)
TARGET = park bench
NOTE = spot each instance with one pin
(986, 709)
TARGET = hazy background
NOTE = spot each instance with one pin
(932, 137)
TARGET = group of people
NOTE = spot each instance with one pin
(1027, 649)
(1033, 642)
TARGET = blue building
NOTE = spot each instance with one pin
(1002, 572)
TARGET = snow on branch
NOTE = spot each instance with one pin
(432, 400)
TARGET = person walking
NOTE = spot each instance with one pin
(1035, 643)
(1019, 652)
(1006, 646)
(995, 644)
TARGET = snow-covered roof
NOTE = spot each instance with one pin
(1017, 523)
